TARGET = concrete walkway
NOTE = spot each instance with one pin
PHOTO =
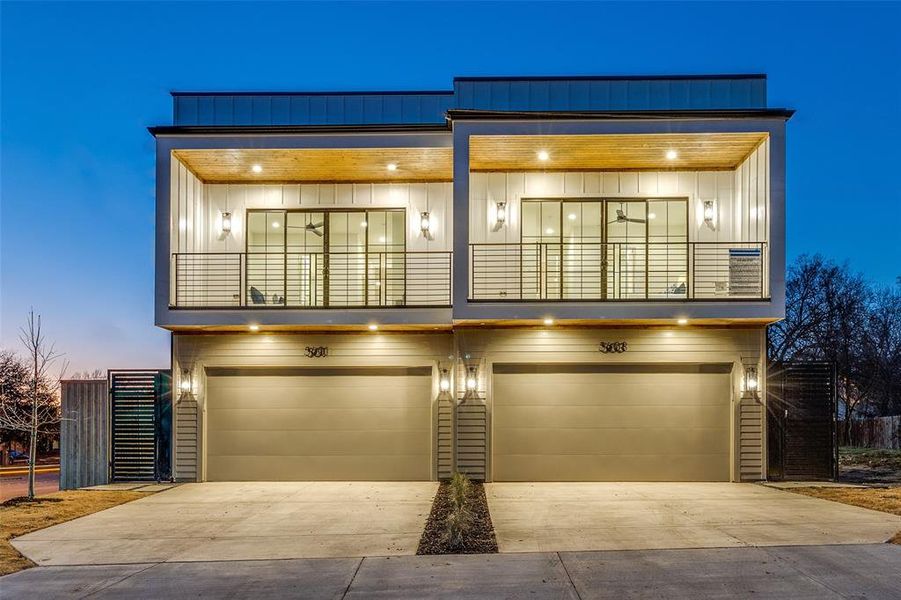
(243, 521)
(549, 517)
(819, 572)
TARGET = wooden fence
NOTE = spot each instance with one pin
(84, 434)
(879, 432)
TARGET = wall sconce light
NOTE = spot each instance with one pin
(710, 214)
(425, 225)
(444, 381)
(472, 381)
(185, 385)
(501, 215)
(226, 223)
(751, 380)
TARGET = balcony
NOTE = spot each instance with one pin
(670, 271)
(302, 280)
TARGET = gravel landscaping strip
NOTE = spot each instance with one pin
(480, 538)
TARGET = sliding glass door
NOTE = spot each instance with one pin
(604, 248)
(326, 258)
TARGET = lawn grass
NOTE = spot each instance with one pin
(19, 516)
(882, 499)
(870, 457)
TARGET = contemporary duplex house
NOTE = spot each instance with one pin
(527, 279)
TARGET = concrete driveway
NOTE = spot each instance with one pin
(231, 521)
(552, 517)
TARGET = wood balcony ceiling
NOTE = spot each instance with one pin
(319, 165)
(635, 152)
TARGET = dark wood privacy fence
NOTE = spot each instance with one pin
(878, 432)
(801, 418)
(83, 436)
(141, 424)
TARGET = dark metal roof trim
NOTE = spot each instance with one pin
(462, 114)
(384, 93)
(294, 129)
(616, 77)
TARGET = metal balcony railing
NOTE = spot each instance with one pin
(311, 279)
(577, 271)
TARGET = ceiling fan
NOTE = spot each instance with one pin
(622, 218)
(311, 227)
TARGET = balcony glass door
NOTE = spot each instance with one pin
(266, 260)
(326, 258)
(604, 249)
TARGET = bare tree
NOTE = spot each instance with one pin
(89, 375)
(41, 408)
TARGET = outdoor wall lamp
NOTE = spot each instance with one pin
(425, 225)
(501, 214)
(226, 223)
(710, 214)
(472, 381)
(444, 381)
(751, 380)
(185, 385)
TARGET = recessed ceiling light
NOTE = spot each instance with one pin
(549, 231)
(392, 166)
(671, 155)
(257, 169)
(572, 216)
(275, 224)
(363, 224)
(543, 155)
(548, 321)
(682, 321)
(373, 327)
(652, 215)
(253, 327)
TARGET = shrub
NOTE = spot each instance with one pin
(459, 520)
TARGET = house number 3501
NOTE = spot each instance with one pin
(316, 351)
(613, 347)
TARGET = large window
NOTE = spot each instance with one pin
(316, 258)
(607, 248)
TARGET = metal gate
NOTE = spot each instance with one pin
(140, 425)
(801, 416)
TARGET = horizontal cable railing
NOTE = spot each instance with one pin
(618, 271)
(311, 279)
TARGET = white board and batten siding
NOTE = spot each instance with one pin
(741, 196)
(197, 353)
(197, 208)
(645, 346)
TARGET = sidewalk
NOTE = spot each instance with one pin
(820, 572)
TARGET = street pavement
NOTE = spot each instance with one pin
(12, 486)
(817, 572)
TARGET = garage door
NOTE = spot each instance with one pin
(611, 422)
(318, 424)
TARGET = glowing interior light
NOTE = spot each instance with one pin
(571, 216)
(671, 155)
(257, 168)
(392, 167)
(682, 321)
(543, 155)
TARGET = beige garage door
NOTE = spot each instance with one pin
(318, 424)
(611, 422)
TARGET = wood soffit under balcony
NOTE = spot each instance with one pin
(697, 151)
(343, 165)
(634, 152)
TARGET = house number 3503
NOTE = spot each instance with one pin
(316, 351)
(613, 347)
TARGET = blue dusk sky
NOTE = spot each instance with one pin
(81, 82)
